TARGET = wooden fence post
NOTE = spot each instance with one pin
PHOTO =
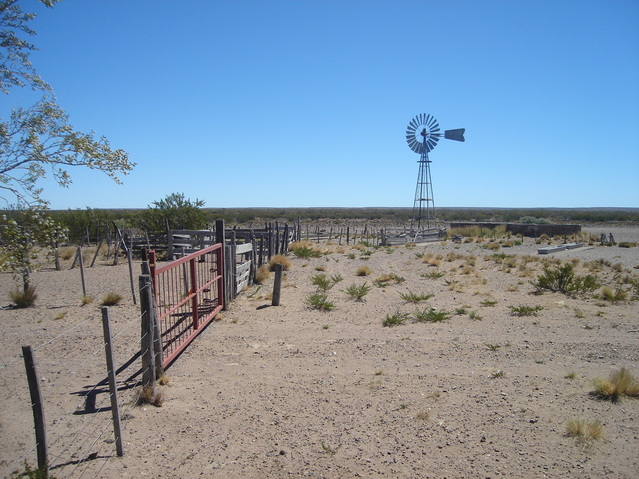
(113, 386)
(220, 238)
(147, 332)
(38, 409)
(277, 286)
(84, 284)
(157, 335)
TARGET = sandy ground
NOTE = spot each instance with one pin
(289, 391)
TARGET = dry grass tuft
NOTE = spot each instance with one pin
(146, 396)
(363, 271)
(111, 299)
(86, 300)
(620, 383)
(279, 259)
(262, 274)
(586, 432)
(24, 298)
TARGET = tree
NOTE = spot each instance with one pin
(174, 212)
(38, 140)
(23, 235)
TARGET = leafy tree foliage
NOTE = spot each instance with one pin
(174, 212)
(24, 236)
(38, 140)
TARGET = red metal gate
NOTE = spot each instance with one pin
(188, 296)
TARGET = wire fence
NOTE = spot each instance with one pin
(72, 376)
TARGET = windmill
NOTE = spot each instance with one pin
(422, 134)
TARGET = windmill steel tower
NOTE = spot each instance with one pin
(422, 134)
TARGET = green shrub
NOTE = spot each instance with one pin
(431, 315)
(562, 279)
(358, 292)
(395, 319)
(322, 282)
(306, 252)
(525, 310)
(411, 297)
(320, 302)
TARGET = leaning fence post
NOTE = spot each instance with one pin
(113, 387)
(78, 256)
(38, 409)
(146, 340)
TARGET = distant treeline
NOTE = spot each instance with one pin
(94, 221)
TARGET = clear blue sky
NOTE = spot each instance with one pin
(304, 103)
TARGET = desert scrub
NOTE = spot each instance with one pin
(363, 271)
(620, 383)
(24, 298)
(431, 315)
(411, 297)
(357, 292)
(111, 299)
(562, 279)
(322, 282)
(432, 275)
(319, 301)
(387, 279)
(395, 319)
(488, 303)
(523, 310)
(262, 274)
(279, 259)
(584, 431)
(146, 396)
(607, 294)
(304, 249)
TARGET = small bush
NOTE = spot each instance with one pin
(525, 310)
(111, 299)
(562, 279)
(279, 259)
(320, 302)
(306, 252)
(387, 279)
(322, 282)
(620, 383)
(358, 292)
(431, 315)
(24, 298)
(411, 297)
(395, 319)
(432, 275)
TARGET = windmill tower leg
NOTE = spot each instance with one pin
(424, 205)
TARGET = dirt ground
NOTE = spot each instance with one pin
(291, 391)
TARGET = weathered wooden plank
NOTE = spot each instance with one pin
(244, 248)
(244, 267)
